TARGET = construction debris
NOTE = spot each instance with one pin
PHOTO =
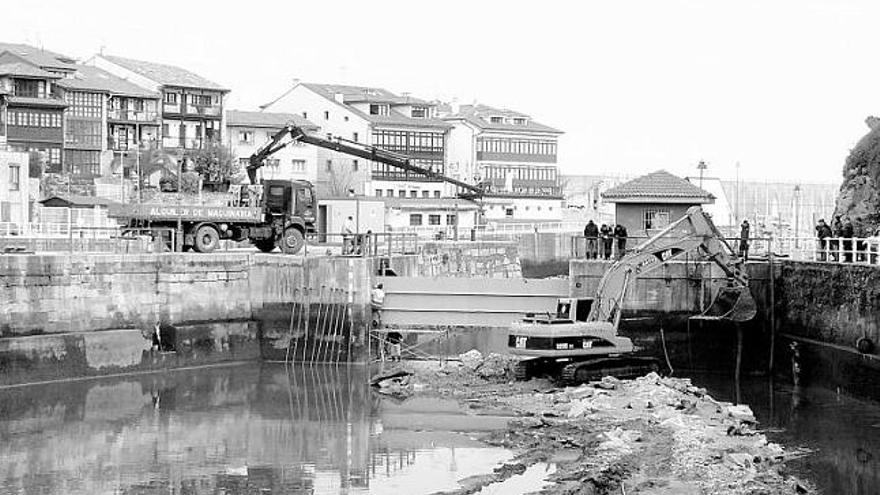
(650, 435)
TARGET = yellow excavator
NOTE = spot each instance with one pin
(580, 342)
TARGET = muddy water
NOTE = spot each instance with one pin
(843, 432)
(235, 429)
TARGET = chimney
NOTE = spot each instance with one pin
(339, 97)
(454, 106)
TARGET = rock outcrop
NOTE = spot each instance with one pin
(859, 196)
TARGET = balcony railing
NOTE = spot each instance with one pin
(207, 110)
(187, 143)
(132, 115)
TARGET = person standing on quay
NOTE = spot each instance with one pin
(620, 234)
(744, 240)
(823, 232)
(591, 232)
(605, 233)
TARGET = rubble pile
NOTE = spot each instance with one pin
(648, 435)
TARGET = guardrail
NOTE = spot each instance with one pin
(365, 244)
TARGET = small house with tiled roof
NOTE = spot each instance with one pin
(247, 131)
(192, 106)
(647, 204)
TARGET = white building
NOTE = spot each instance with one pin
(14, 187)
(376, 117)
(246, 132)
(512, 153)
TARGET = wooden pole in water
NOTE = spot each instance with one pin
(739, 351)
(772, 313)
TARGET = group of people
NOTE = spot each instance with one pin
(352, 241)
(600, 240)
(828, 235)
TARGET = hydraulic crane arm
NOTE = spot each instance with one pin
(352, 148)
(694, 233)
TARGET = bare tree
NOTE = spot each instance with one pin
(340, 179)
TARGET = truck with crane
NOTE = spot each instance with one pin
(581, 342)
(271, 213)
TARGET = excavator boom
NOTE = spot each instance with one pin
(693, 234)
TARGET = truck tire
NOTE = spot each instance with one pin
(265, 245)
(293, 241)
(207, 239)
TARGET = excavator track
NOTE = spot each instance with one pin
(523, 370)
(595, 369)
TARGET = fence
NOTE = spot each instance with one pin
(363, 244)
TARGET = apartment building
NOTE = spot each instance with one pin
(247, 131)
(191, 109)
(512, 153)
(377, 117)
(14, 184)
(31, 115)
(106, 118)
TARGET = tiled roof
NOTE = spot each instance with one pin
(167, 75)
(266, 119)
(659, 184)
(36, 102)
(95, 79)
(22, 69)
(479, 115)
(40, 57)
(329, 92)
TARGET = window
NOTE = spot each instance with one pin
(508, 212)
(378, 193)
(354, 136)
(14, 177)
(201, 100)
(519, 121)
(298, 165)
(329, 165)
(389, 193)
(433, 219)
(83, 132)
(326, 115)
(84, 104)
(419, 112)
(29, 88)
(354, 165)
(451, 219)
(655, 218)
(305, 115)
(82, 162)
(171, 98)
(245, 137)
(345, 118)
(166, 131)
(273, 163)
(414, 194)
(496, 120)
(436, 194)
(402, 194)
(378, 109)
(426, 194)
(415, 219)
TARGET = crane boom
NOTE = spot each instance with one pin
(367, 152)
(694, 233)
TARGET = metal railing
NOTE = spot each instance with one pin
(364, 244)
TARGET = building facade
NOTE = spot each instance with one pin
(647, 204)
(106, 118)
(512, 154)
(376, 117)
(191, 108)
(246, 132)
(31, 113)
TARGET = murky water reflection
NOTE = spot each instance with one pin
(242, 429)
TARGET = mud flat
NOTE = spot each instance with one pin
(650, 435)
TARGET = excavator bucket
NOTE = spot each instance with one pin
(731, 303)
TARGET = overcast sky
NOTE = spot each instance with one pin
(781, 86)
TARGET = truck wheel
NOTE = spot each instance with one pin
(292, 241)
(207, 239)
(265, 245)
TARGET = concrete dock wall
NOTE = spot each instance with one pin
(84, 315)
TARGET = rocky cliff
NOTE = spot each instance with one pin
(859, 197)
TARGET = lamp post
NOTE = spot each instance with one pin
(702, 166)
(797, 224)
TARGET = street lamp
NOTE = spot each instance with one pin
(702, 166)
